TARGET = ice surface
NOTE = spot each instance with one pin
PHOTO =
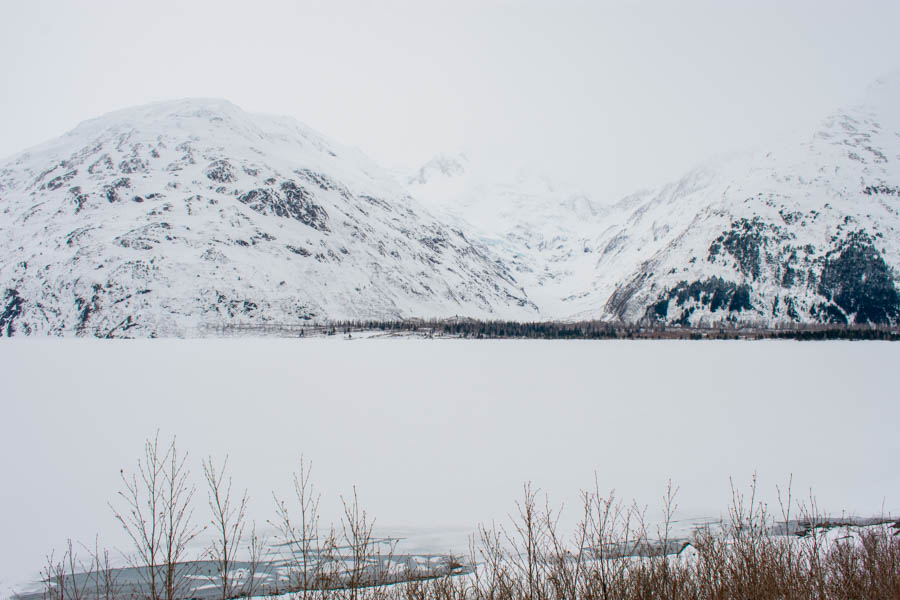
(439, 435)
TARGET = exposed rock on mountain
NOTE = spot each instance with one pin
(805, 232)
(161, 219)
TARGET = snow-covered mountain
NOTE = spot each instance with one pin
(807, 231)
(541, 229)
(159, 219)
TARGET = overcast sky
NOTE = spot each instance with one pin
(611, 96)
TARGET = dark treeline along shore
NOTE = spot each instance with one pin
(581, 330)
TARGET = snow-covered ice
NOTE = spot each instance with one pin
(439, 435)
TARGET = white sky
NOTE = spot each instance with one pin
(611, 96)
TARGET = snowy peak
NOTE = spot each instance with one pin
(441, 166)
(539, 228)
(161, 219)
(804, 232)
(479, 197)
(200, 115)
(178, 216)
(883, 94)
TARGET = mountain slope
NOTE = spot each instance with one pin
(163, 219)
(540, 229)
(805, 232)
(159, 219)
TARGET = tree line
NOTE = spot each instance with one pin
(599, 330)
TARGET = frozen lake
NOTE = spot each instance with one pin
(439, 435)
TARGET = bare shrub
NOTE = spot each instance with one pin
(357, 537)
(105, 577)
(301, 538)
(228, 521)
(257, 551)
(66, 578)
(158, 518)
(610, 555)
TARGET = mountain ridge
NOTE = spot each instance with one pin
(160, 219)
(804, 232)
